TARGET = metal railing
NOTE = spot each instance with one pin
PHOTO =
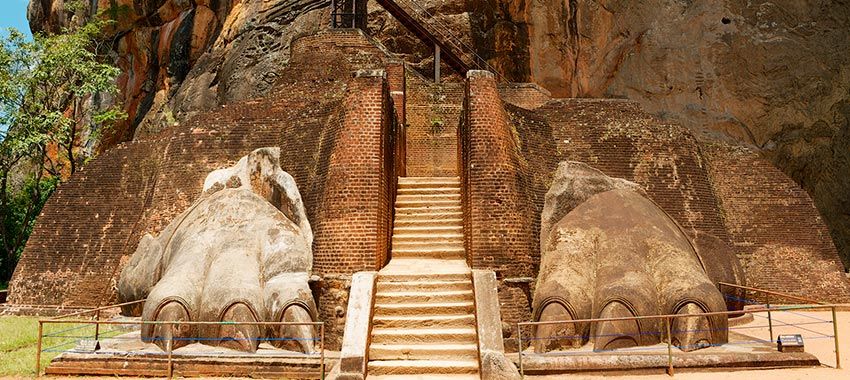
(75, 334)
(445, 33)
(668, 321)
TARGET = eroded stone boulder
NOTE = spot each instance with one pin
(609, 252)
(241, 252)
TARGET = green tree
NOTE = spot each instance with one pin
(47, 87)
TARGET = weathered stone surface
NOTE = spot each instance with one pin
(496, 366)
(616, 255)
(354, 354)
(717, 66)
(491, 347)
(242, 252)
(769, 73)
(180, 57)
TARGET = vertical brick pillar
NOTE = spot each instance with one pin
(353, 231)
(496, 217)
(396, 80)
(351, 236)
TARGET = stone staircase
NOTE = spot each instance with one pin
(423, 324)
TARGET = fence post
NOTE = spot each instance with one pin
(170, 350)
(519, 350)
(322, 342)
(769, 318)
(835, 338)
(38, 350)
(97, 325)
(669, 347)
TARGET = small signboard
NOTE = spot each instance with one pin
(87, 346)
(790, 343)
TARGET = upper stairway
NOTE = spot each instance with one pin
(458, 55)
(423, 322)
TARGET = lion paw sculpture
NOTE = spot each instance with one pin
(241, 252)
(607, 251)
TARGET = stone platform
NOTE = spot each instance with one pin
(730, 356)
(127, 355)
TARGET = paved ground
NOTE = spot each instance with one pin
(823, 348)
(815, 341)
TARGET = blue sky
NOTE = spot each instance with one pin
(13, 13)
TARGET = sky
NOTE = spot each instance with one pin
(13, 14)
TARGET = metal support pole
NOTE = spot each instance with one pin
(769, 319)
(669, 347)
(436, 63)
(835, 338)
(170, 350)
(97, 325)
(519, 350)
(322, 342)
(38, 350)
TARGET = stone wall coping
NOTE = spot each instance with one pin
(354, 356)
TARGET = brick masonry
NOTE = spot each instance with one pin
(433, 113)
(336, 132)
(775, 227)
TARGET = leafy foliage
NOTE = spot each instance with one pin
(48, 92)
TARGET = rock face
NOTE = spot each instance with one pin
(180, 57)
(241, 253)
(612, 254)
(769, 73)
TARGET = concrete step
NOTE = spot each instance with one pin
(406, 297)
(444, 376)
(428, 203)
(415, 367)
(423, 228)
(427, 190)
(427, 246)
(418, 252)
(453, 218)
(429, 308)
(404, 276)
(416, 336)
(427, 236)
(417, 321)
(423, 352)
(453, 197)
(429, 182)
(429, 211)
(423, 286)
(436, 244)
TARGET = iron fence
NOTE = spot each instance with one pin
(75, 334)
(742, 337)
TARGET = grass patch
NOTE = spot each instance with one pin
(19, 342)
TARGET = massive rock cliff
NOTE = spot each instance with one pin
(772, 74)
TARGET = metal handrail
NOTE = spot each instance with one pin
(770, 292)
(95, 310)
(444, 29)
(169, 346)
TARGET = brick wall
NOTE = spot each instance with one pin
(499, 212)
(775, 227)
(335, 131)
(85, 229)
(433, 112)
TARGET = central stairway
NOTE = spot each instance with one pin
(423, 323)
